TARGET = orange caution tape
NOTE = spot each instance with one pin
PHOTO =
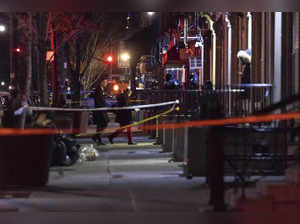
(203, 123)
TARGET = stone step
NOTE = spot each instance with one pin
(291, 207)
(254, 204)
(262, 185)
(292, 175)
(280, 194)
(284, 193)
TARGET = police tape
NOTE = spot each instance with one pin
(133, 124)
(26, 107)
(201, 123)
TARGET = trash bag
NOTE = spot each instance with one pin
(88, 153)
(59, 153)
(72, 153)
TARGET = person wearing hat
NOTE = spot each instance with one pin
(245, 58)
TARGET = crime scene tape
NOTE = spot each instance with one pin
(133, 124)
(203, 123)
(21, 110)
(228, 121)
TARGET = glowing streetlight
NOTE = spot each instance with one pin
(116, 87)
(150, 13)
(125, 57)
(2, 83)
(2, 28)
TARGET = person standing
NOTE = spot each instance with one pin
(245, 58)
(193, 81)
(10, 119)
(172, 82)
(123, 117)
(100, 117)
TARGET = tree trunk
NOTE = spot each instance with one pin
(44, 96)
(43, 68)
(26, 93)
(58, 95)
(76, 77)
(76, 90)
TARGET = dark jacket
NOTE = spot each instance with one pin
(123, 117)
(9, 119)
(100, 117)
(246, 74)
(246, 80)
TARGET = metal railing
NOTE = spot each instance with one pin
(236, 100)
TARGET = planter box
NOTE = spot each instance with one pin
(24, 160)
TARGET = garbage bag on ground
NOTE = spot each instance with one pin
(88, 153)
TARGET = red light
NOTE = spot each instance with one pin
(109, 58)
(18, 50)
(116, 87)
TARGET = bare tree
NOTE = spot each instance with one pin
(79, 39)
(25, 21)
(101, 32)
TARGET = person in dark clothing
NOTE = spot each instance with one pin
(245, 58)
(172, 82)
(208, 85)
(100, 117)
(9, 119)
(123, 117)
(246, 74)
(193, 81)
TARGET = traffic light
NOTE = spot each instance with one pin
(18, 50)
(109, 59)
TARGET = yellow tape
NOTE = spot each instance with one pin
(133, 124)
(112, 101)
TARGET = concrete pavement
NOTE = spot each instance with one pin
(126, 184)
(123, 179)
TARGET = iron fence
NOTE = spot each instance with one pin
(236, 100)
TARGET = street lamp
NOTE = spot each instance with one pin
(125, 57)
(2, 28)
(150, 13)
